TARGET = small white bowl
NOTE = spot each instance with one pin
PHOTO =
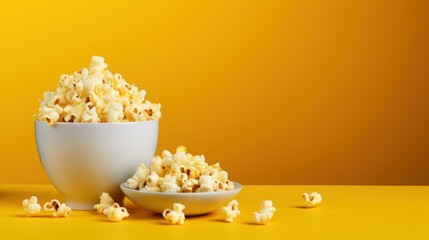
(196, 203)
(82, 160)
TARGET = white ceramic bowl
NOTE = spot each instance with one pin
(82, 160)
(195, 203)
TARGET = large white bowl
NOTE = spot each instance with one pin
(82, 160)
(196, 203)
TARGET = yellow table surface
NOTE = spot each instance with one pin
(347, 212)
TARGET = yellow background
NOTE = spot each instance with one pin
(278, 92)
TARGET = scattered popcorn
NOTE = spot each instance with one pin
(58, 209)
(230, 212)
(312, 199)
(116, 213)
(96, 95)
(31, 207)
(265, 213)
(105, 202)
(180, 172)
(175, 216)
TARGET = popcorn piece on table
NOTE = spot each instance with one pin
(58, 209)
(175, 216)
(31, 207)
(230, 212)
(116, 213)
(105, 202)
(312, 199)
(265, 213)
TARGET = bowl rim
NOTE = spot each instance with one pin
(237, 188)
(98, 123)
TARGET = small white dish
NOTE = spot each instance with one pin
(196, 203)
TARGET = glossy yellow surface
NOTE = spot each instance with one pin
(347, 212)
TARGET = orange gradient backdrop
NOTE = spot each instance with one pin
(278, 92)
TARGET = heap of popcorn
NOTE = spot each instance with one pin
(96, 95)
(180, 172)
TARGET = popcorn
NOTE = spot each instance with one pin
(181, 149)
(193, 172)
(182, 178)
(114, 112)
(151, 189)
(105, 202)
(265, 213)
(228, 185)
(199, 162)
(222, 176)
(206, 184)
(96, 95)
(169, 184)
(97, 65)
(73, 113)
(49, 115)
(191, 185)
(116, 213)
(90, 114)
(312, 199)
(175, 216)
(180, 172)
(139, 177)
(230, 212)
(58, 209)
(112, 210)
(218, 185)
(153, 180)
(156, 166)
(166, 153)
(31, 207)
